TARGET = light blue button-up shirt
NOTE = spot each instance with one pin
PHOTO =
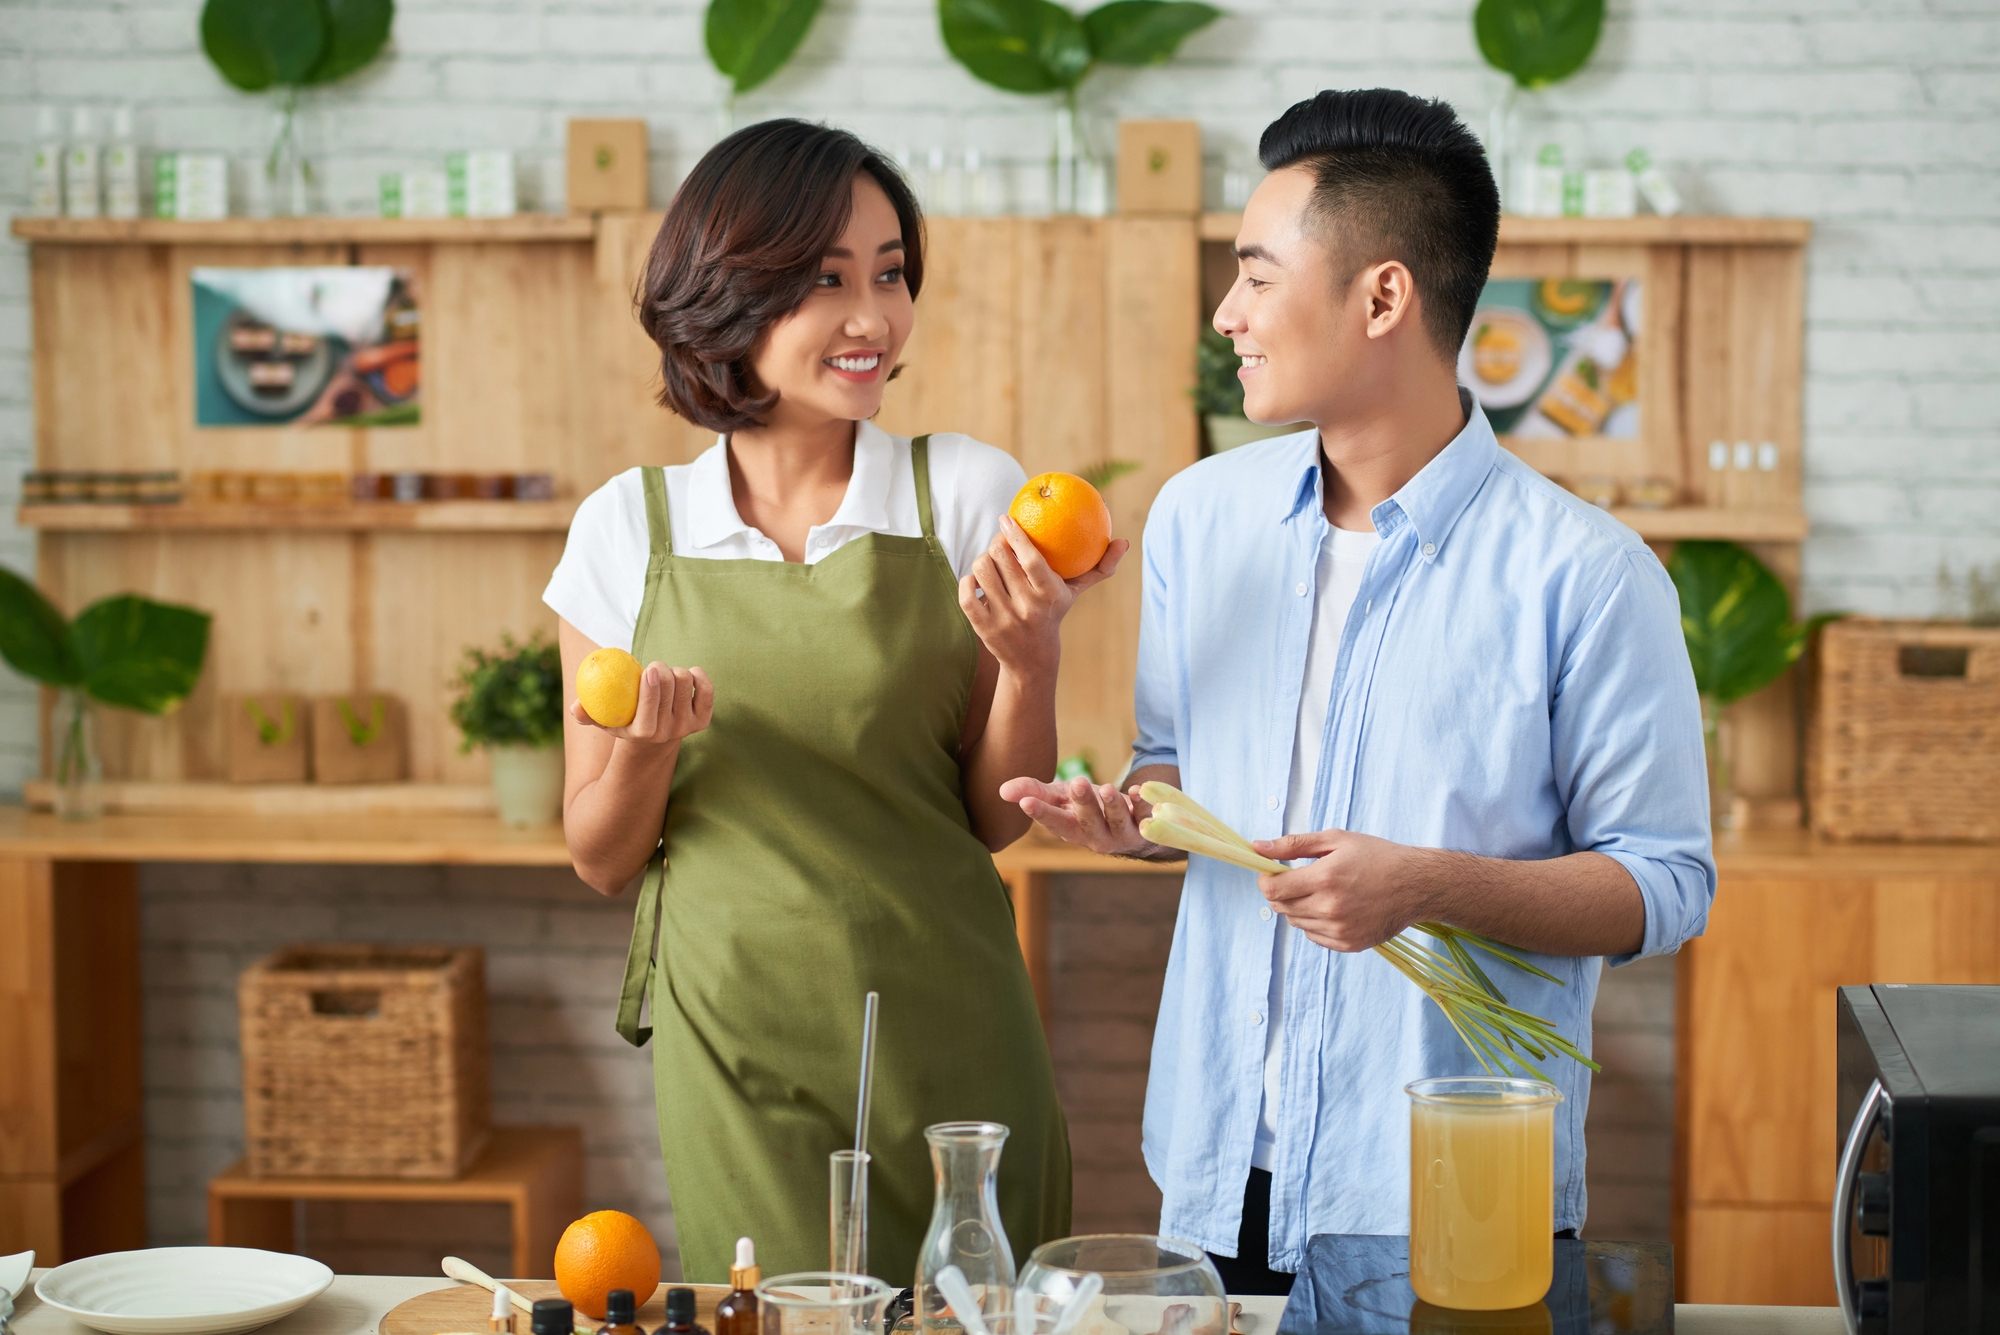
(1511, 682)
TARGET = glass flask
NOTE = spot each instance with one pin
(965, 1226)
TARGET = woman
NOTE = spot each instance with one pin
(865, 648)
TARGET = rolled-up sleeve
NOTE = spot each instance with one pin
(1156, 702)
(1626, 743)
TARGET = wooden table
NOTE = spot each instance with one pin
(72, 1154)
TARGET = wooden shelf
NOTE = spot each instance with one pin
(304, 231)
(1693, 521)
(432, 516)
(249, 801)
(1692, 231)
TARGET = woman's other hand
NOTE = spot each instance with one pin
(673, 703)
(1019, 617)
(1093, 816)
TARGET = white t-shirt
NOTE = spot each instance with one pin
(1343, 558)
(601, 580)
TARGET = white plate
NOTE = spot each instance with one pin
(14, 1272)
(183, 1290)
(1536, 358)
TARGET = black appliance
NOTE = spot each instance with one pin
(1916, 1211)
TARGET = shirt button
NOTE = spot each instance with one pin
(1264, 914)
(1300, 590)
(1271, 802)
(1256, 1017)
(1430, 549)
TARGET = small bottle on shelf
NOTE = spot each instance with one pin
(45, 166)
(552, 1316)
(83, 194)
(680, 1314)
(121, 168)
(620, 1314)
(736, 1314)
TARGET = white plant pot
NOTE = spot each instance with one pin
(527, 783)
(1226, 433)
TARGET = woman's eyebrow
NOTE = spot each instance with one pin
(843, 253)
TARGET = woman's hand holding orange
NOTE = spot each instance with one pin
(1019, 617)
(673, 703)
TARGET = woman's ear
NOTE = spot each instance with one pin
(1391, 293)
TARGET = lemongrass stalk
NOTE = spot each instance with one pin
(1191, 841)
(1176, 814)
(1156, 792)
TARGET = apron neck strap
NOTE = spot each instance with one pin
(654, 481)
(920, 465)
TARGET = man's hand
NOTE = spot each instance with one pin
(1359, 893)
(1093, 816)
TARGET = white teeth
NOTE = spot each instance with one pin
(1255, 360)
(867, 363)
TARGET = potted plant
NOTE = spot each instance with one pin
(1535, 43)
(1737, 620)
(1219, 396)
(124, 650)
(511, 703)
(1038, 46)
(748, 41)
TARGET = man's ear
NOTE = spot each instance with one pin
(1391, 294)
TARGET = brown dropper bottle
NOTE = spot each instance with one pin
(680, 1314)
(620, 1314)
(736, 1314)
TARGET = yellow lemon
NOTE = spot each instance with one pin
(607, 686)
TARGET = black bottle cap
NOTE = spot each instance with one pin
(680, 1307)
(618, 1307)
(553, 1316)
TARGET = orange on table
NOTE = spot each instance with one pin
(607, 686)
(605, 1251)
(1066, 519)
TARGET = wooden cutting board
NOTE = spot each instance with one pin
(465, 1307)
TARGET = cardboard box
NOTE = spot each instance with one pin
(1159, 167)
(268, 737)
(606, 167)
(359, 738)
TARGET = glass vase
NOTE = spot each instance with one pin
(965, 1226)
(287, 187)
(79, 772)
(1718, 739)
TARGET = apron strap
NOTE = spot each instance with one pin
(920, 464)
(639, 963)
(654, 482)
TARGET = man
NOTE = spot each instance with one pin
(1444, 686)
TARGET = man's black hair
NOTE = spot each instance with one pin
(1397, 177)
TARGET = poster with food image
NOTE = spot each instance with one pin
(1555, 357)
(319, 346)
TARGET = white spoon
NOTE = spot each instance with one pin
(14, 1271)
(951, 1283)
(1073, 1310)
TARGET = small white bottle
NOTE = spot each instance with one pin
(45, 166)
(1547, 193)
(1653, 183)
(83, 193)
(121, 168)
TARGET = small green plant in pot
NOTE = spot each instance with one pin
(510, 702)
(124, 650)
(1737, 620)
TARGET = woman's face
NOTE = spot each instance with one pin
(832, 356)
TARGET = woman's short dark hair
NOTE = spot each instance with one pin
(1397, 177)
(741, 248)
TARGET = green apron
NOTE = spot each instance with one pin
(817, 846)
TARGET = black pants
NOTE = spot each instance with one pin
(1249, 1271)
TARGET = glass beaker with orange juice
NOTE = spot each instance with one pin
(1482, 1190)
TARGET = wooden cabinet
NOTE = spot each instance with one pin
(1757, 1129)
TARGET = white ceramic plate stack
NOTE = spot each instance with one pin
(183, 1290)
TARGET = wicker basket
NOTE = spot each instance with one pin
(365, 1061)
(1905, 735)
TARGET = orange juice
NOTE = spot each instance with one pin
(1482, 1191)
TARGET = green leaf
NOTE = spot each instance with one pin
(1736, 618)
(1144, 32)
(256, 43)
(1539, 42)
(34, 638)
(138, 653)
(1102, 474)
(1022, 46)
(356, 31)
(272, 732)
(364, 734)
(750, 40)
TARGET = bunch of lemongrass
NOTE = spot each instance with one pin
(1453, 979)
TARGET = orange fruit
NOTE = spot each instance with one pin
(605, 1251)
(1066, 519)
(607, 686)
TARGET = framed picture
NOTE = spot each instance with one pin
(324, 346)
(1556, 357)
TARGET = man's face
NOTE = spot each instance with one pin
(1288, 313)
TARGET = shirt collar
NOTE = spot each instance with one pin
(1433, 500)
(712, 515)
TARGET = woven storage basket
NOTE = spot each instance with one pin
(365, 1061)
(1905, 735)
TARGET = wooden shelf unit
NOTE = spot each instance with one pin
(424, 516)
(303, 231)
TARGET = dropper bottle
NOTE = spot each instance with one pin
(619, 1314)
(502, 1320)
(680, 1314)
(736, 1314)
(552, 1316)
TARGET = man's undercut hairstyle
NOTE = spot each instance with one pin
(1397, 177)
(742, 247)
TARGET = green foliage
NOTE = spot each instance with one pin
(364, 734)
(1036, 46)
(123, 650)
(270, 731)
(513, 697)
(1075, 767)
(1217, 390)
(1737, 619)
(258, 44)
(1102, 474)
(1538, 42)
(750, 40)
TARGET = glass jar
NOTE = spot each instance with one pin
(1482, 1191)
(822, 1302)
(965, 1226)
(79, 773)
(1150, 1284)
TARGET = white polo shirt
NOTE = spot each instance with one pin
(600, 582)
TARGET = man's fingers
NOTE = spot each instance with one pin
(1316, 844)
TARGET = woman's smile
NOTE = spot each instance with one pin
(859, 366)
